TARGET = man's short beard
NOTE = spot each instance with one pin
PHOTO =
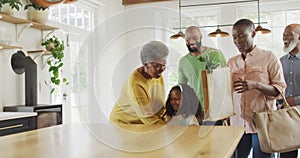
(194, 50)
(291, 46)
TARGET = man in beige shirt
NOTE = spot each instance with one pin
(257, 74)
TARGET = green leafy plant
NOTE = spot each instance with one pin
(55, 62)
(34, 6)
(209, 63)
(14, 4)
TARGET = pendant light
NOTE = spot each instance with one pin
(218, 33)
(180, 33)
(259, 29)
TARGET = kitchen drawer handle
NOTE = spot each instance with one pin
(10, 127)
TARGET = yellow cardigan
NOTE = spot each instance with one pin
(141, 101)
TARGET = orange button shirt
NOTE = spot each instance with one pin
(261, 66)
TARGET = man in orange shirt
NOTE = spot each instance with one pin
(257, 74)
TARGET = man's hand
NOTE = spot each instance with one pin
(291, 101)
(242, 86)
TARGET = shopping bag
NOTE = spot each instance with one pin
(217, 94)
(278, 130)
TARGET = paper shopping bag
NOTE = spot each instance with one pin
(217, 93)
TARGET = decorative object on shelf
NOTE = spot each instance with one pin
(55, 62)
(180, 33)
(8, 6)
(36, 13)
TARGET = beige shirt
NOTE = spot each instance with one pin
(261, 66)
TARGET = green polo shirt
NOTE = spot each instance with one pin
(190, 68)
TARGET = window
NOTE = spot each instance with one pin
(79, 80)
(72, 15)
(277, 20)
(78, 22)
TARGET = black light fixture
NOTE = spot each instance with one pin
(218, 33)
(259, 29)
(180, 33)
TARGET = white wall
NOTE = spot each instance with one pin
(12, 89)
(108, 25)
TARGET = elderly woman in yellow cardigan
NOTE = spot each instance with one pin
(143, 95)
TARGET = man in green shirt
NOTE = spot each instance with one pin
(199, 58)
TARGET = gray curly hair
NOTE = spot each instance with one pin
(153, 51)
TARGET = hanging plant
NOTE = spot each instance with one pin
(55, 62)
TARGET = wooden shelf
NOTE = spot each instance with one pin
(43, 27)
(35, 51)
(4, 46)
(12, 19)
(43, 52)
(16, 20)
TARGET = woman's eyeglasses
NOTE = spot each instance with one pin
(158, 65)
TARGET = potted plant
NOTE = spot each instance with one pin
(8, 6)
(55, 62)
(36, 13)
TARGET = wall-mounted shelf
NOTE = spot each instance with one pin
(15, 20)
(43, 27)
(18, 21)
(12, 19)
(4, 46)
(44, 52)
(41, 53)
